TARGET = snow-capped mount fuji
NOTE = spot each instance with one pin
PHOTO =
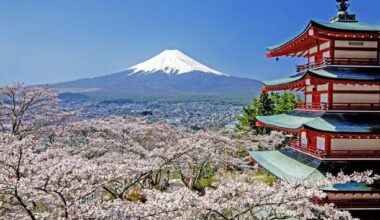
(169, 76)
(171, 62)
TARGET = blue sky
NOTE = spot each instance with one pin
(43, 41)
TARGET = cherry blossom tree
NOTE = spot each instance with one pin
(15, 156)
(23, 109)
(272, 141)
(233, 198)
(112, 168)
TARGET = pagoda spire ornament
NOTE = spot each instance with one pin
(343, 6)
(343, 15)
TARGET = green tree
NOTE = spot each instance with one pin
(266, 104)
(284, 103)
(248, 120)
(259, 107)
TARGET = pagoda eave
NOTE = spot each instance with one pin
(349, 135)
(277, 128)
(339, 125)
(328, 74)
(299, 85)
(318, 32)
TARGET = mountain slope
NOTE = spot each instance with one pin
(169, 76)
(171, 62)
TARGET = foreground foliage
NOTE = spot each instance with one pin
(127, 168)
(266, 104)
(120, 168)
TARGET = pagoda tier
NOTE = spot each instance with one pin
(334, 88)
(342, 43)
(330, 136)
(288, 164)
(353, 196)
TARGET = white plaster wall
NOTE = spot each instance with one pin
(313, 50)
(356, 87)
(309, 88)
(355, 144)
(346, 43)
(355, 54)
(324, 45)
(324, 98)
(309, 98)
(323, 87)
(303, 138)
(312, 59)
(321, 143)
(356, 98)
(326, 54)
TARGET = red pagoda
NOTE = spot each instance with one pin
(338, 125)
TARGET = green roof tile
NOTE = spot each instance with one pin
(288, 164)
(348, 26)
(349, 73)
(284, 166)
(343, 73)
(330, 122)
(284, 80)
(339, 26)
(347, 122)
(350, 187)
(294, 120)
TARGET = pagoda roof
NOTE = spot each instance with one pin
(277, 46)
(351, 187)
(287, 167)
(326, 122)
(335, 73)
(305, 39)
(348, 26)
(294, 120)
(288, 164)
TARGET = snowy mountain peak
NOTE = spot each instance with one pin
(171, 62)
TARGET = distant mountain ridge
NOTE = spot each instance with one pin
(169, 76)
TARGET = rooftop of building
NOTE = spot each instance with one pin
(343, 26)
(289, 164)
(333, 73)
(352, 188)
(344, 23)
(349, 122)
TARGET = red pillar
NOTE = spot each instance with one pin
(330, 95)
(328, 144)
(332, 48)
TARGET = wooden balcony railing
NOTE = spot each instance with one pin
(305, 148)
(338, 106)
(310, 106)
(314, 65)
(355, 106)
(334, 153)
(365, 204)
(349, 203)
(339, 61)
(355, 61)
(354, 154)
